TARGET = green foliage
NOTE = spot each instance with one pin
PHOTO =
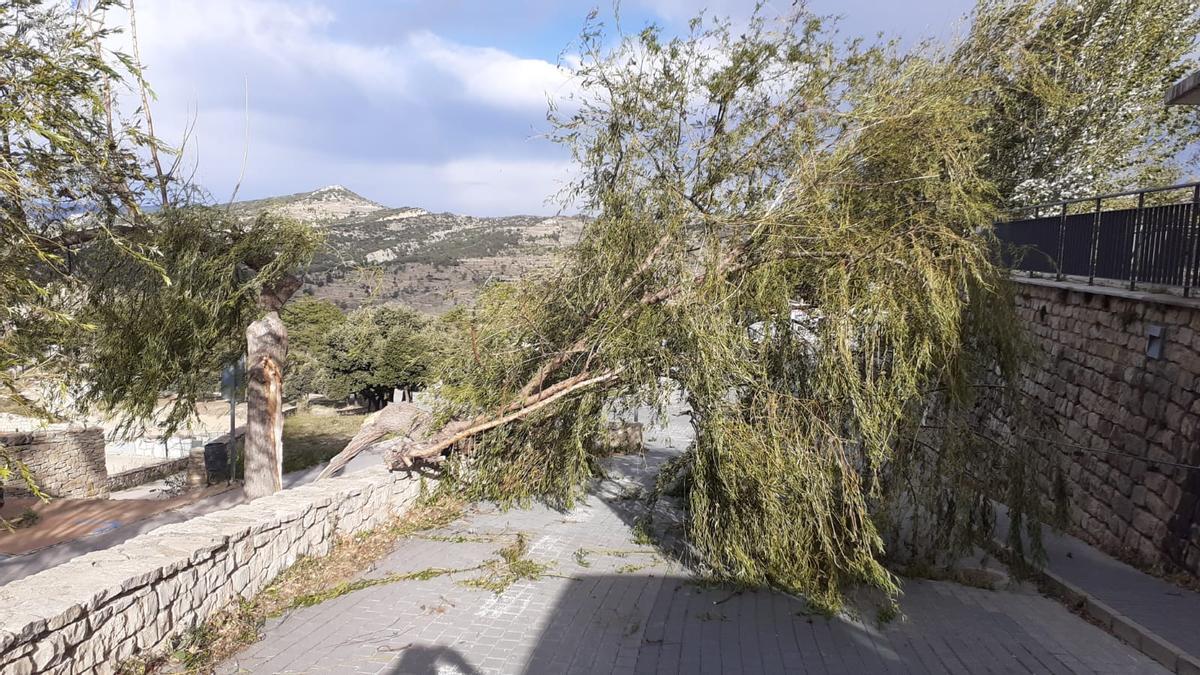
(155, 334)
(1074, 94)
(795, 231)
(310, 323)
(368, 353)
(107, 305)
(61, 155)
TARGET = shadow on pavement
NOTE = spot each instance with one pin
(431, 660)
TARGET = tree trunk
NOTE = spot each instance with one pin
(266, 347)
(534, 395)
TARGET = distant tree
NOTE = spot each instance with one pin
(375, 351)
(1074, 94)
(310, 324)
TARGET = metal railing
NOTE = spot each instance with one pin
(1133, 240)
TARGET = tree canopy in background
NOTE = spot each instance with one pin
(367, 353)
(310, 323)
(1074, 95)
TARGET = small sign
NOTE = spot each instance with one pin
(233, 378)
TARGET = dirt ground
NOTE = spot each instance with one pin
(212, 417)
(62, 520)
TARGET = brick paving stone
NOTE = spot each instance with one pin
(627, 609)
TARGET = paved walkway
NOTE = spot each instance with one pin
(1162, 609)
(610, 605)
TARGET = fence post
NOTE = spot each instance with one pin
(1094, 247)
(1189, 272)
(1137, 237)
(1062, 242)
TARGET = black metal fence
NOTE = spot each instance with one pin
(1144, 236)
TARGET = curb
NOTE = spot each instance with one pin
(1146, 641)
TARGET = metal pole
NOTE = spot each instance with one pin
(232, 438)
(1062, 242)
(1137, 236)
(1189, 272)
(1094, 249)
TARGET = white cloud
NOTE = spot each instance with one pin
(295, 39)
(495, 76)
(420, 119)
(288, 39)
(475, 184)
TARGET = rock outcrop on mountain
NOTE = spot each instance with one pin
(407, 255)
(326, 204)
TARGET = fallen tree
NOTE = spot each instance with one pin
(795, 232)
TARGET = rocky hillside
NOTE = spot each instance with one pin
(428, 261)
(323, 205)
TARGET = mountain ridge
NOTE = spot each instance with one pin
(409, 255)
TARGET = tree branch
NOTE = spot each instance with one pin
(402, 458)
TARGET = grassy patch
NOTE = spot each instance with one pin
(641, 533)
(341, 589)
(461, 538)
(310, 438)
(28, 518)
(308, 582)
(511, 567)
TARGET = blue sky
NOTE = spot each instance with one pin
(411, 103)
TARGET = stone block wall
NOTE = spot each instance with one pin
(147, 474)
(91, 613)
(1127, 419)
(64, 462)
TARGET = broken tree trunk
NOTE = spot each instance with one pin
(266, 348)
(534, 395)
(416, 443)
(402, 456)
(402, 419)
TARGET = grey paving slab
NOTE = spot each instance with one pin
(1165, 609)
(609, 605)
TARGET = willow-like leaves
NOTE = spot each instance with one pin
(795, 232)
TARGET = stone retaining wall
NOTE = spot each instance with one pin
(1117, 404)
(91, 613)
(148, 473)
(64, 462)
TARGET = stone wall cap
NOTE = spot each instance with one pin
(1111, 291)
